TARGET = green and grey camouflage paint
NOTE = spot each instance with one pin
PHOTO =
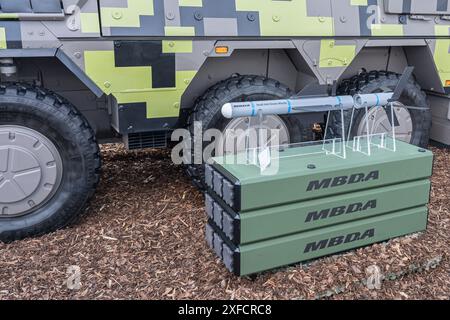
(146, 52)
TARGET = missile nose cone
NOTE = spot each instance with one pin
(227, 111)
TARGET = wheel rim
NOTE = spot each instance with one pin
(379, 122)
(30, 170)
(241, 126)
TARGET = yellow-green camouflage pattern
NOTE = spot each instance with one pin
(87, 31)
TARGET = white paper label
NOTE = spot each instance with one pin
(264, 159)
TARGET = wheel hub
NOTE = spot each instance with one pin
(242, 125)
(380, 122)
(30, 170)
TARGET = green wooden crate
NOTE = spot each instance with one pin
(265, 255)
(244, 188)
(297, 217)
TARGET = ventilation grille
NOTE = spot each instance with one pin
(146, 140)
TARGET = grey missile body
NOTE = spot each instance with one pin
(304, 105)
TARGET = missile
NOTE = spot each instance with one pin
(303, 105)
(372, 100)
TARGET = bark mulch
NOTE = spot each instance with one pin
(142, 237)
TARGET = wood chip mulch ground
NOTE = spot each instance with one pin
(142, 238)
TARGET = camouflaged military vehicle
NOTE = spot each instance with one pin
(75, 73)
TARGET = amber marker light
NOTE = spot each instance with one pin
(221, 50)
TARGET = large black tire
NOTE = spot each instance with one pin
(240, 88)
(377, 81)
(50, 116)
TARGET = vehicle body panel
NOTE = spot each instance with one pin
(149, 55)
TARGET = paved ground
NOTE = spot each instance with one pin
(142, 238)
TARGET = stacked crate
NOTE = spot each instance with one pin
(315, 205)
